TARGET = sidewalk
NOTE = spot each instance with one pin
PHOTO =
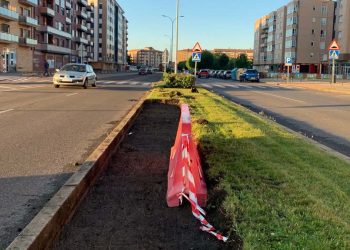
(339, 87)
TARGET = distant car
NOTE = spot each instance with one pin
(142, 71)
(203, 73)
(227, 74)
(75, 74)
(250, 75)
(220, 74)
(149, 71)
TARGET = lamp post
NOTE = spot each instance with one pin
(177, 33)
(171, 43)
(172, 20)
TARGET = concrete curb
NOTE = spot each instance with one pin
(48, 223)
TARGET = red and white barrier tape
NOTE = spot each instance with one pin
(197, 211)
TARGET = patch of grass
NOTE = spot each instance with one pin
(281, 191)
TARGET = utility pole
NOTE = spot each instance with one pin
(177, 33)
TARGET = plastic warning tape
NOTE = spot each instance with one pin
(197, 211)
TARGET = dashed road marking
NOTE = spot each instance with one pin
(282, 97)
(71, 94)
(5, 111)
(219, 86)
(245, 86)
(206, 85)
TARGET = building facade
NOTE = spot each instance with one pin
(342, 31)
(301, 30)
(183, 55)
(147, 57)
(17, 37)
(234, 53)
(111, 36)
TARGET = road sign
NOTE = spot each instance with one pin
(289, 61)
(334, 45)
(196, 57)
(334, 54)
(197, 48)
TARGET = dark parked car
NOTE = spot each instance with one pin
(227, 74)
(142, 71)
(203, 73)
(220, 74)
(250, 75)
(149, 71)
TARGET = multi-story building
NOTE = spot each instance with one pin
(147, 57)
(234, 53)
(301, 30)
(17, 40)
(183, 55)
(111, 36)
(342, 31)
(64, 33)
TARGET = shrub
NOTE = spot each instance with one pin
(184, 81)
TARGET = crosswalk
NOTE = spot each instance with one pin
(228, 86)
(21, 79)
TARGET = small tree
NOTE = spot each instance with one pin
(243, 62)
(181, 65)
(223, 60)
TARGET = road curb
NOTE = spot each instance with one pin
(48, 223)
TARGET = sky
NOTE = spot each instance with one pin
(213, 23)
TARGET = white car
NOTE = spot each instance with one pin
(75, 74)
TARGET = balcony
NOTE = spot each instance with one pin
(8, 38)
(90, 54)
(90, 8)
(82, 27)
(68, 5)
(47, 11)
(90, 31)
(68, 20)
(30, 3)
(80, 40)
(89, 20)
(82, 14)
(52, 30)
(83, 2)
(25, 41)
(29, 21)
(53, 48)
(8, 14)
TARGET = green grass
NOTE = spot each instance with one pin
(281, 191)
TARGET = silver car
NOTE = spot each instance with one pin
(75, 74)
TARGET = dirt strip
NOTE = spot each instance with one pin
(127, 209)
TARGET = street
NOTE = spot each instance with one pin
(46, 133)
(322, 116)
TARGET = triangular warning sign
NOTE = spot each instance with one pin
(334, 45)
(196, 57)
(197, 48)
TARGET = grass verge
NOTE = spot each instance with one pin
(278, 191)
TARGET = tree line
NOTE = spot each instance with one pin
(217, 61)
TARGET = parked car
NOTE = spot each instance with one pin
(220, 74)
(142, 71)
(75, 74)
(203, 73)
(227, 74)
(250, 75)
(149, 71)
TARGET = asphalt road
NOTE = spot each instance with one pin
(45, 133)
(321, 116)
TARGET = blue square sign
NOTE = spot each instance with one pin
(289, 61)
(196, 57)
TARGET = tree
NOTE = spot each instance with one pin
(232, 63)
(243, 62)
(181, 65)
(223, 60)
(128, 59)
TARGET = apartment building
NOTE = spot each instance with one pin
(183, 55)
(17, 40)
(147, 57)
(234, 53)
(111, 36)
(302, 30)
(342, 31)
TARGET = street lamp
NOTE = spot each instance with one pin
(177, 32)
(167, 61)
(172, 20)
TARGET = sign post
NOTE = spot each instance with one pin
(196, 56)
(288, 63)
(334, 52)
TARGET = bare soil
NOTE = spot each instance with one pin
(127, 208)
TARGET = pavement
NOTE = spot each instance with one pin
(318, 114)
(46, 133)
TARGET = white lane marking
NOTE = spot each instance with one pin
(282, 97)
(146, 84)
(72, 94)
(134, 83)
(245, 86)
(5, 111)
(230, 86)
(219, 86)
(206, 85)
(109, 82)
(5, 87)
(260, 87)
(121, 83)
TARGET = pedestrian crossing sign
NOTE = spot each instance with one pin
(334, 54)
(196, 57)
